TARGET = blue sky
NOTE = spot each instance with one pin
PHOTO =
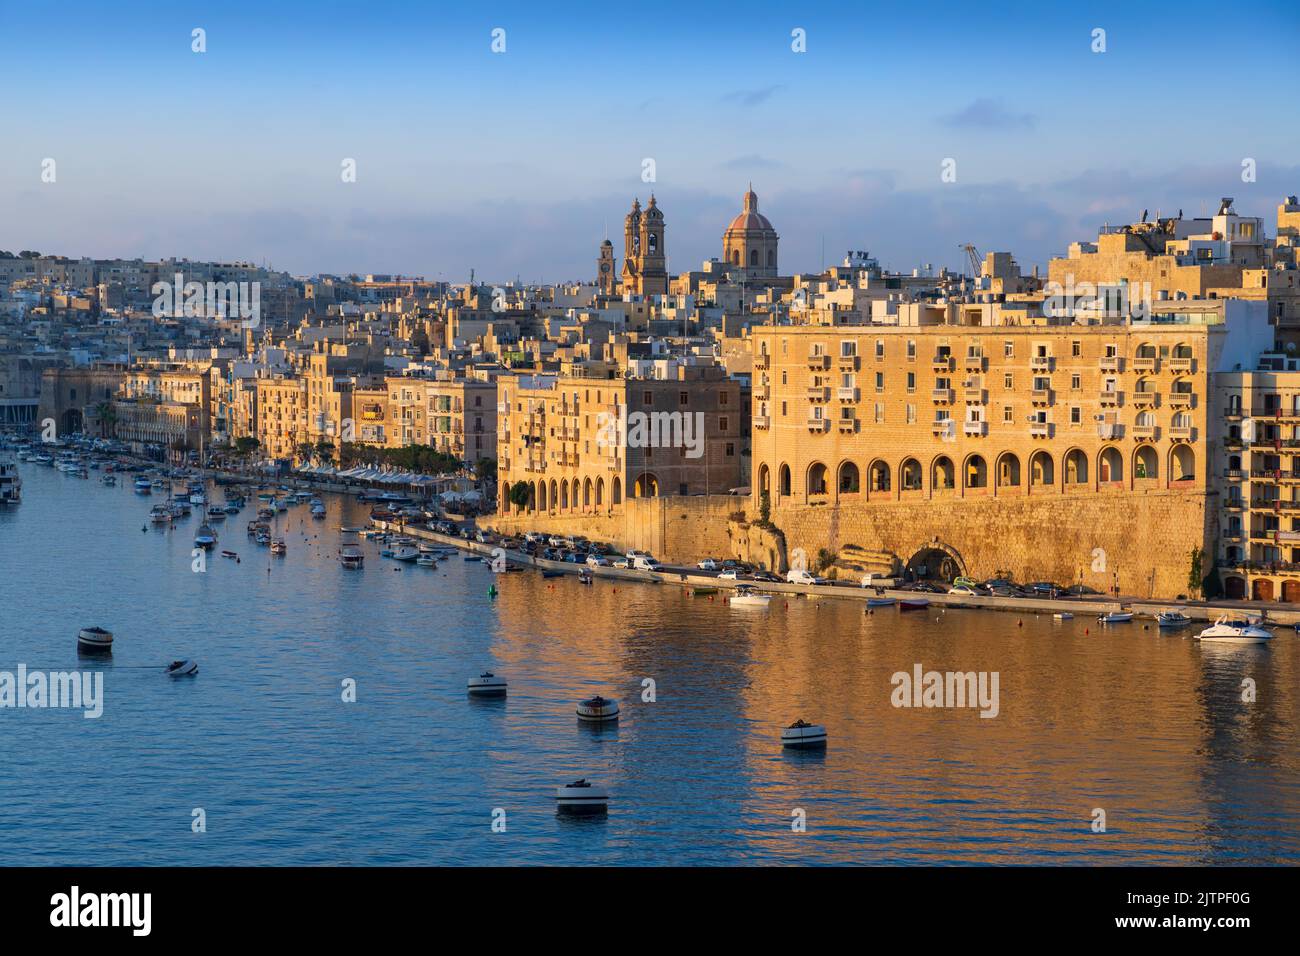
(516, 163)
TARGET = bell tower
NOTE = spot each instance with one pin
(651, 268)
(632, 247)
(605, 278)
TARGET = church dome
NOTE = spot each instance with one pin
(750, 219)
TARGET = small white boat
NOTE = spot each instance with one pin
(182, 669)
(1173, 619)
(216, 513)
(198, 498)
(317, 508)
(581, 797)
(95, 640)
(350, 554)
(881, 602)
(746, 596)
(1062, 616)
(1116, 617)
(279, 547)
(142, 486)
(1229, 631)
(426, 561)
(803, 735)
(160, 514)
(486, 684)
(597, 709)
(405, 554)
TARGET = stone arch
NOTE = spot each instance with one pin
(815, 480)
(909, 475)
(1110, 465)
(600, 492)
(541, 497)
(1042, 470)
(936, 560)
(647, 486)
(586, 494)
(1076, 467)
(1182, 463)
(70, 422)
(783, 488)
(764, 478)
(1146, 464)
(942, 475)
(616, 493)
(532, 496)
(554, 500)
(564, 495)
(1008, 470)
(848, 481)
(505, 497)
(878, 474)
(975, 472)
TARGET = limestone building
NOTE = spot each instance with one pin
(750, 242)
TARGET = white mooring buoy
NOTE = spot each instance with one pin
(581, 796)
(94, 640)
(803, 735)
(486, 684)
(597, 709)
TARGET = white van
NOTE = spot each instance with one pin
(643, 562)
(803, 576)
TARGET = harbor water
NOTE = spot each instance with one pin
(263, 747)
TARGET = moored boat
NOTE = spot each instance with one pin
(747, 596)
(205, 538)
(1115, 617)
(1172, 618)
(185, 668)
(802, 735)
(1227, 630)
(913, 603)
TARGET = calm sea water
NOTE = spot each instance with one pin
(1149, 728)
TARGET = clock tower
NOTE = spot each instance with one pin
(605, 278)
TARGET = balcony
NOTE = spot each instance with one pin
(1275, 412)
(1232, 412)
(944, 427)
(1111, 399)
(975, 363)
(1182, 364)
(1182, 434)
(1146, 398)
(847, 425)
(847, 394)
(974, 396)
(942, 363)
(761, 421)
(1181, 399)
(819, 362)
(1111, 363)
(762, 360)
(818, 424)
(1041, 396)
(1041, 363)
(976, 429)
(819, 393)
(1146, 432)
(1040, 429)
(848, 361)
(1110, 431)
(1146, 363)
(942, 396)
(762, 392)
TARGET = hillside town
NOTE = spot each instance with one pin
(1127, 420)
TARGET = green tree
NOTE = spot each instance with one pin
(246, 445)
(764, 509)
(519, 495)
(107, 416)
(485, 469)
(1196, 574)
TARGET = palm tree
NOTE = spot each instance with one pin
(107, 416)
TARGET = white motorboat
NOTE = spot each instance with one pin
(1116, 617)
(94, 640)
(405, 554)
(216, 513)
(486, 684)
(278, 547)
(747, 596)
(1172, 618)
(803, 736)
(142, 486)
(1236, 631)
(317, 508)
(11, 486)
(1062, 616)
(581, 796)
(160, 514)
(350, 554)
(182, 669)
(426, 561)
(198, 497)
(597, 709)
(205, 538)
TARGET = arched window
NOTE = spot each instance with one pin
(879, 476)
(1182, 463)
(784, 489)
(1008, 471)
(909, 475)
(753, 257)
(942, 478)
(977, 472)
(1042, 470)
(817, 479)
(1110, 465)
(1145, 463)
(1076, 468)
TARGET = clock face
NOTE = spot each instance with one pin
(604, 267)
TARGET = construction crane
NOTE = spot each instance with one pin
(976, 259)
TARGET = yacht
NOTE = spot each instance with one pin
(206, 537)
(11, 486)
(1227, 630)
(747, 596)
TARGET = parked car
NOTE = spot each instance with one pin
(803, 576)
(963, 590)
(597, 560)
(731, 574)
(708, 564)
(572, 557)
(767, 576)
(622, 562)
(1045, 587)
(646, 563)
